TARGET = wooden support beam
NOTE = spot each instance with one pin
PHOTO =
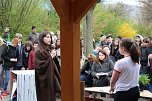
(70, 12)
(81, 8)
(70, 57)
(62, 8)
(70, 61)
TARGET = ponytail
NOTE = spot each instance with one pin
(132, 48)
(135, 52)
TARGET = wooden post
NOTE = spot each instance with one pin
(70, 61)
(71, 12)
(82, 92)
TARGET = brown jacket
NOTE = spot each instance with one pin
(47, 76)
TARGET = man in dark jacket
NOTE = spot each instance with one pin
(33, 36)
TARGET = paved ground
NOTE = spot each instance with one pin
(6, 98)
(105, 99)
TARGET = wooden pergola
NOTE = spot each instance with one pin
(70, 13)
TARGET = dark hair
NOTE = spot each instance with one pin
(146, 40)
(103, 52)
(28, 44)
(56, 45)
(33, 27)
(150, 37)
(36, 41)
(101, 35)
(42, 45)
(132, 48)
(119, 37)
(106, 46)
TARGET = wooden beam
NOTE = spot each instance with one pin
(61, 7)
(70, 12)
(82, 7)
(70, 61)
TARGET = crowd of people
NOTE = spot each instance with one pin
(113, 62)
(40, 52)
(118, 63)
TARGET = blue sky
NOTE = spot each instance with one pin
(130, 2)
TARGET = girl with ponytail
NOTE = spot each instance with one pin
(125, 76)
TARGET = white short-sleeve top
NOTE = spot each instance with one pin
(129, 74)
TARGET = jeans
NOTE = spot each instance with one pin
(87, 78)
(7, 74)
(83, 77)
(149, 87)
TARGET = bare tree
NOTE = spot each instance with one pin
(120, 10)
(146, 11)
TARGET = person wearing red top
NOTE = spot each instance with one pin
(31, 56)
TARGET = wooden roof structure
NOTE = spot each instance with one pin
(70, 13)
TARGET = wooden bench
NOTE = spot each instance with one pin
(143, 94)
(83, 97)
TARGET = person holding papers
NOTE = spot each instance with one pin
(125, 76)
(102, 69)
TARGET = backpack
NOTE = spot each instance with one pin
(8, 51)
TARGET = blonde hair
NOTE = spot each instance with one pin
(91, 57)
(18, 35)
(1, 41)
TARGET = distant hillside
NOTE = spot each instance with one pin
(134, 12)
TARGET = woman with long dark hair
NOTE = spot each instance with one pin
(26, 51)
(47, 75)
(126, 72)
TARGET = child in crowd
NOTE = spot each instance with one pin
(31, 56)
(26, 51)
